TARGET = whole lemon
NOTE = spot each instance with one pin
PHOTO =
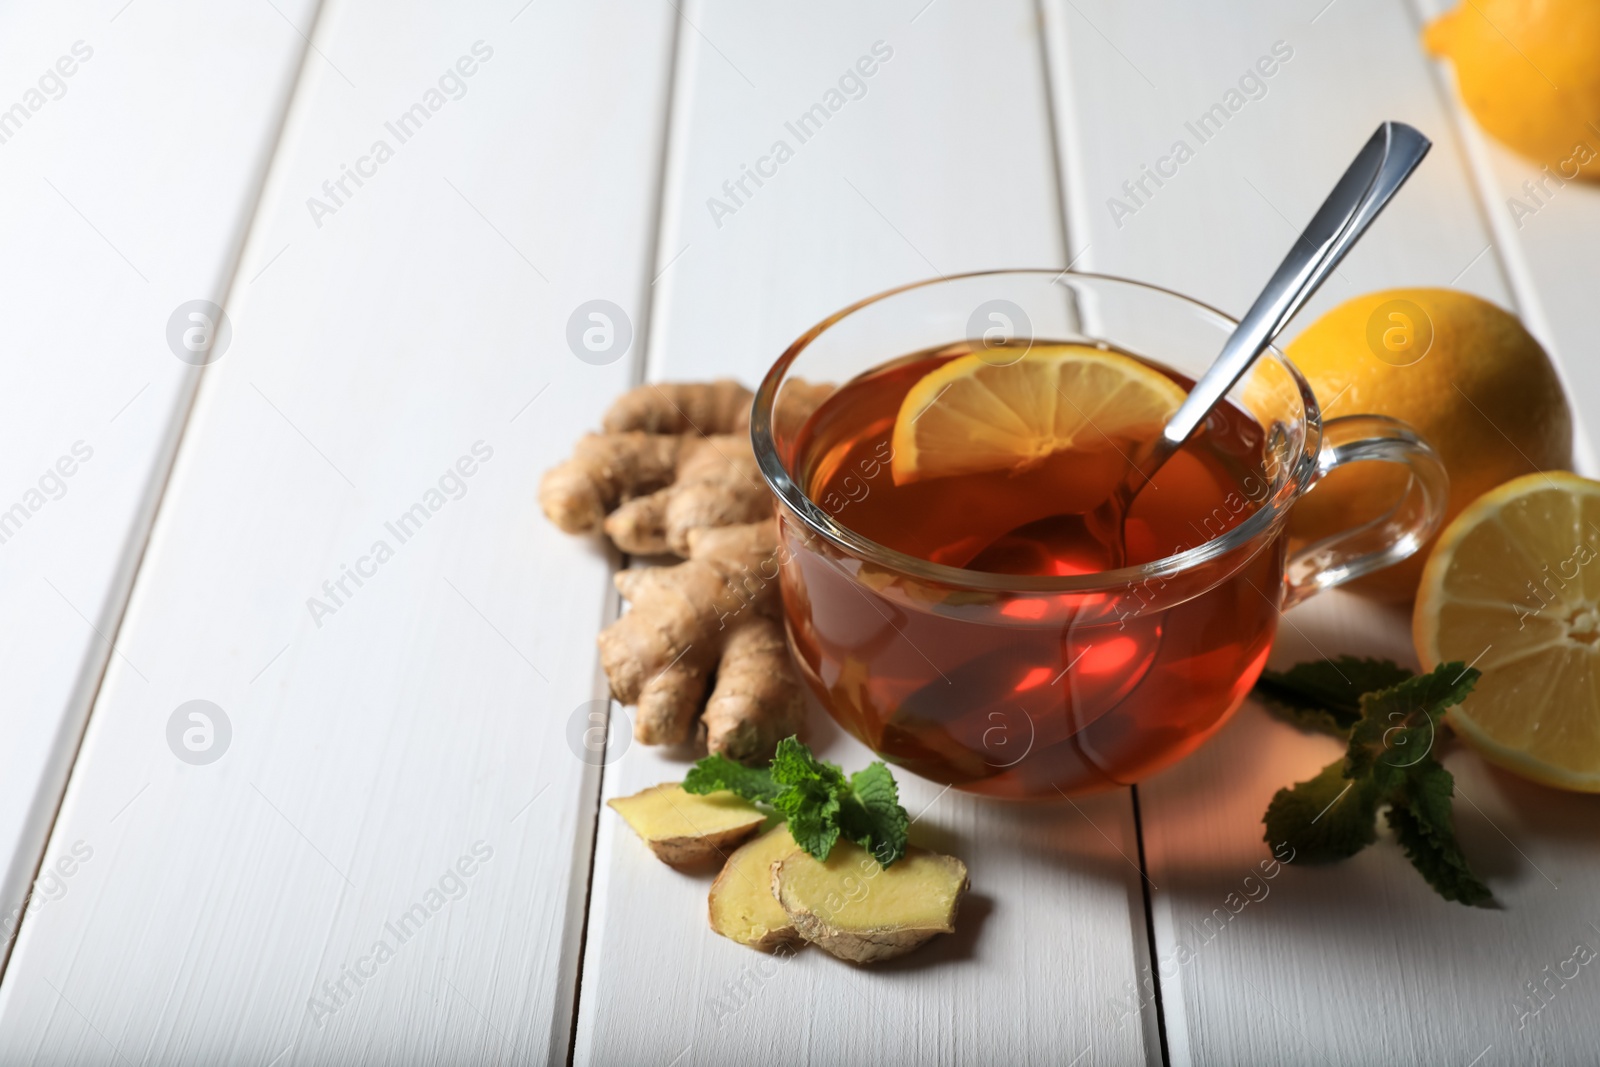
(1462, 372)
(1529, 71)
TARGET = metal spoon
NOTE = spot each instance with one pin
(1095, 538)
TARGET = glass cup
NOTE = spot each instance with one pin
(1030, 686)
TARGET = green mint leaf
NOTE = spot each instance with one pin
(794, 765)
(813, 823)
(809, 796)
(822, 805)
(1389, 760)
(871, 814)
(1399, 724)
(1329, 817)
(718, 772)
(1427, 792)
(1324, 696)
(1424, 825)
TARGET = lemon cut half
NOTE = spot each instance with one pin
(1513, 589)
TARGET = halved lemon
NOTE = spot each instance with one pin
(974, 415)
(1513, 589)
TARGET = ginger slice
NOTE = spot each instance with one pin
(741, 903)
(687, 829)
(856, 910)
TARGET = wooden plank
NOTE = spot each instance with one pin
(398, 770)
(932, 169)
(1360, 962)
(133, 142)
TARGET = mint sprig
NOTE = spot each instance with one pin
(1389, 761)
(716, 773)
(1324, 696)
(819, 802)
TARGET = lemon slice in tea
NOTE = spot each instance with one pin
(972, 415)
(1513, 589)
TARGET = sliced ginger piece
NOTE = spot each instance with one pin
(687, 829)
(742, 906)
(859, 911)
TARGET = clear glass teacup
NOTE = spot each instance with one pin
(1033, 685)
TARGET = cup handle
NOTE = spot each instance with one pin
(1390, 537)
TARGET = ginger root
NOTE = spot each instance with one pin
(722, 406)
(686, 829)
(857, 910)
(674, 458)
(652, 432)
(606, 469)
(674, 473)
(714, 611)
(741, 905)
(716, 483)
(757, 701)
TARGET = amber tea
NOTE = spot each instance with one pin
(1021, 695)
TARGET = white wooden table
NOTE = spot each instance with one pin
(415, 725)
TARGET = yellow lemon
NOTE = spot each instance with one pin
(975, 414)
(1464, 373)
(1529, 71)
(1513, 589)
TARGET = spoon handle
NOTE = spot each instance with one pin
(1377, 172)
